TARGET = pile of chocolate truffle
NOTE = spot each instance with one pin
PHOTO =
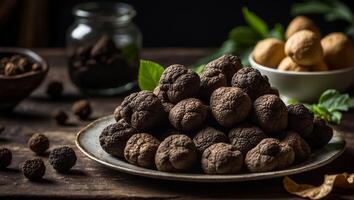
(227, 120)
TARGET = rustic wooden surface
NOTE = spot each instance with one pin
(89, 180)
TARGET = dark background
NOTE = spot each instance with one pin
(183, 23)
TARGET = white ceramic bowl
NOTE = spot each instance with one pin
(306, 86)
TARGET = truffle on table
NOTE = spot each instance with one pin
(270, 114)
(245, 137)
(300, 119)
(177, 153)
(179, 83)
(34, 169)
(62, 159)
(222, 158)
(207, 137)
(141, 149)
(5, 158)
(251, 81)
(230, 106)
(82, 109)
(321, 134)
(38, 143)
(270, 154)
(143, 110)
(188, 114)
(115, 136)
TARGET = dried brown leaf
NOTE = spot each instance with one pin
(344, 180)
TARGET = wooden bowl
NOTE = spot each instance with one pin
(14, 89)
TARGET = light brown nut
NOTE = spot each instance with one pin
(269, 52)
(287, 64)
(301, 23)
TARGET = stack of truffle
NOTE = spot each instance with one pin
(227, 120)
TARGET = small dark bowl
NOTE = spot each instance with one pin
(14, 89)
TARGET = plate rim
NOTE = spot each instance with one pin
(190, 177)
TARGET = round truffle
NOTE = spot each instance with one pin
(245, 137)
(301, 23)
(60, 116)
(230, 106)
(207, 137)
(338, 51)
(251, 81)
(300, 119)
(115, 136)
(176, 153)
(188, 114)
(270, 113)
(33, 169)
(143, 110)
(5, 158)
(162, 95)
(54, 89)
(38, 143)
(321, 134)
(269, 52)
(82, 109)
(270, 154)
(141, 149)
(218, 73)
(304, 48)
(222, 158)
(301, 149)
(179, 83)
(62, 159)
(287, 64)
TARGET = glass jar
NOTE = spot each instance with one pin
(103, 47)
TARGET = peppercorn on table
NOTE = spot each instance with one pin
(89, 180)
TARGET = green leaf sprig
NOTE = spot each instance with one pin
(149, 74)
(330, 106)
(242, 39)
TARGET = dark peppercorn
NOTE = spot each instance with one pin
(82, 109)
(60, 117)
(33, 169)
(38, 143)
(54, 89)
(62, 158)
(5, 158)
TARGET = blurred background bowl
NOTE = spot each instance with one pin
(305, 86)
(14, 89)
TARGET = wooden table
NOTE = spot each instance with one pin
(89, 180)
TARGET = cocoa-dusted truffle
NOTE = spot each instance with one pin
(115, 136)
(301, 148)
(82, 109)
(143, 110)
(207, 137)
(162, 95)
(141, 149)
(54, 89)
(188, 114)
(33, 169)
(60, 116)
(5, 158)
(246, 136)
(38, 143)
(251, 81)
(176, 153)
(300, 119)
(179, 83)
(230, 106)
(270, 113)
(270, 154)
(218, 73)
(62, 159)
(222, 158)
(321, 134)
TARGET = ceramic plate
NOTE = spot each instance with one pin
(87, 141)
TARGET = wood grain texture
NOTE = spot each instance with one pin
(89, 180)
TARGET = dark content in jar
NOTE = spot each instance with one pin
(103, 65)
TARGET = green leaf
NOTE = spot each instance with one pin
(336, 117)
(149, 74)
(277, 32)
(334, 101)
(255, 22)
(244, 35)
(340, 11)
(310, 7)
(199, 69)
(292, 101)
